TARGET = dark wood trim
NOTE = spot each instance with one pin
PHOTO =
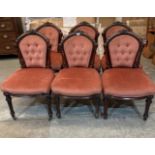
(84, 23)
(117, 23)
(139, 52)
(92, 58)
(32, 32)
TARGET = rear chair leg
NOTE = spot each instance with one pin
(49, 104)
(58, 112)
(105, 103)
(9, 101)
(147, 106)
(97, 106)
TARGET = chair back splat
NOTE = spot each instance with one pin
(79, 50)
(33, 48)
(53, 33)
(86, 28)
(114, 28)
(124, 49)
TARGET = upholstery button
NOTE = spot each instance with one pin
(77, 52)
(127, 44)
(117, 59)
(84, 52)
(129, 52)
(74, 59)
(118, 45)
(27, 52)
(127, 59)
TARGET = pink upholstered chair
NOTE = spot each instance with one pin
(107, 33)
(78, 79)
(124, 79)
(54, 34)
(93, 33)
(34, 78)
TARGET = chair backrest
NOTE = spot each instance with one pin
(79, 50)
(33, 48)
(114, 28)
(86, 28)
(124, 49)
(53, 33)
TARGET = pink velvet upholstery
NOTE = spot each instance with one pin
(127, 82)
(52, 34)
(77, 82)
(29, 81)
(78, 50)
(114, 29)
(104, 62)
(33, 49)
(56, 60)
(88, 30)
(123, 50)
(97, 63)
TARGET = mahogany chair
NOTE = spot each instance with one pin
(93, 33)
(124, 79)
(54, 34)
(34, 77)
(78, 80)
(110, 31)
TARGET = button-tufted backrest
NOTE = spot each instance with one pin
(34, 50)
(113, 30)
(78, 50)
(88, 30)
(123, 50)
(52, 34)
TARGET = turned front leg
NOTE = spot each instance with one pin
(9, 101)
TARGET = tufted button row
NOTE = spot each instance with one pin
(78, 52)
(123, 52)
(32, 52)
(32, 44)
(125, 44)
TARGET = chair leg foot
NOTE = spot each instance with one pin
(105, 116)
(147, 107)
(50, 113)
(105, 103)
(58, 113)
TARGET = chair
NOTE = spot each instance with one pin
(34, 77)
(93, 33)
(54, 34)
(124, 79)
(107, 33)
(78, 80)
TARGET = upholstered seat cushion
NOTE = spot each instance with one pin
(56, 60)
(77, 82)
(127, 82)
(28, 81)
